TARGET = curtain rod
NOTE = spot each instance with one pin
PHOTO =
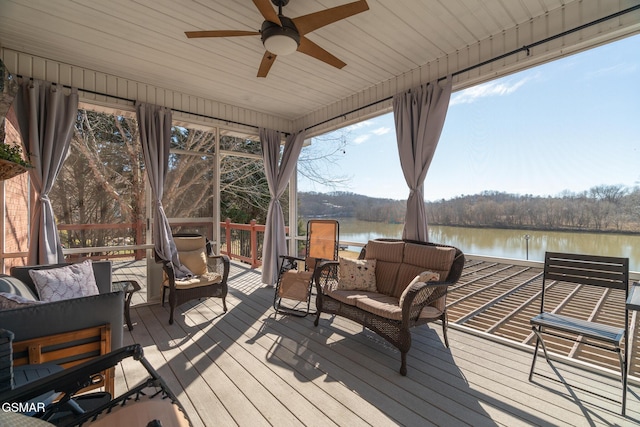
(133, 101)
(525, 48)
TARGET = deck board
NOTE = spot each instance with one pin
(250, 367)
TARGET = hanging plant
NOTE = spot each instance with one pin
(11, 161)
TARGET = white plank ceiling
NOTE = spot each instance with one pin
(389, 48)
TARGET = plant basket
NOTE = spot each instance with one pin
(10, 169)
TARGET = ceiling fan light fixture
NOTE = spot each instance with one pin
(280, 40)
(280, 45)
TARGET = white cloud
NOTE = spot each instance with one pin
(470, 95)
(613, 71)
(381, 131)
(359, 125)
(362, 138)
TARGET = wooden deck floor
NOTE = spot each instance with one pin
(248, 367)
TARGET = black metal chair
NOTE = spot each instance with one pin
(294, 287)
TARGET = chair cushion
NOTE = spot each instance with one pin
(71, 281)
(350, 297)
(388, 256)
(418, 258)
(195, 260)
(194, 282)
(357, 274)
(10, 301)
(295, 285)
(433, 258)
(385, 251)
(425, 276)
(189, 243)
(381, 305)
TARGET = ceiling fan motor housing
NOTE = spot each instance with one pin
(280, 3)
(288, 29)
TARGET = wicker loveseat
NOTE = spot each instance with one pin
(399, 300)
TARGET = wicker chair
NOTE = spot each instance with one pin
(210, 273)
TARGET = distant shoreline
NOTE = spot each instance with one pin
(562, 230)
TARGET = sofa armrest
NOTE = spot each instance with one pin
(421, 294)
(220, 261)
(6, 360)
(325, 275)
(68, 315)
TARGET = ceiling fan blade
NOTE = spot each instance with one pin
(310, 48)
(220, 33)
(307, 23)
(267, 61)
(267, 11)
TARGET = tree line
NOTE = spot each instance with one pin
(341, 204)
(614, 208)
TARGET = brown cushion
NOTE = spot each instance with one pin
(295, 285)
(385, 251)
(381, 305)
(418, 258)
(388, 256)
(141, 412)
(350, 297)
(434, 258)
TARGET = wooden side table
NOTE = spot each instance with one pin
(128, 287)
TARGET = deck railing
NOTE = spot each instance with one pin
(238, 241)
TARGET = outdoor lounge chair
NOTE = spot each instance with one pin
(294, 287)
(210, 273)
(150, 403)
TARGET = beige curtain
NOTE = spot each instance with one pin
(419, 115)
(278, 173)
(45, 117)
(154, 124)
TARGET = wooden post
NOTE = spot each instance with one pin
(254, 244)
(227, 231)
(139, 232)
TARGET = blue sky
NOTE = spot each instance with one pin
(567, 125)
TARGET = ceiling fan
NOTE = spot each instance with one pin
(282, 35)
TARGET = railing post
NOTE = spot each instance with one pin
(254, 244)
(227, 233)
(139, 232)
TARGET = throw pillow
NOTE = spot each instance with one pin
(425, 276)
(9, 301)
(71, 281)
(357, 275)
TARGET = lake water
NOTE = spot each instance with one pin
(504, 243)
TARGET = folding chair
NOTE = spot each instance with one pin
(294, 287)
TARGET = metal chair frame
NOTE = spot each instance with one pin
(324, 249)
(584, 270)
